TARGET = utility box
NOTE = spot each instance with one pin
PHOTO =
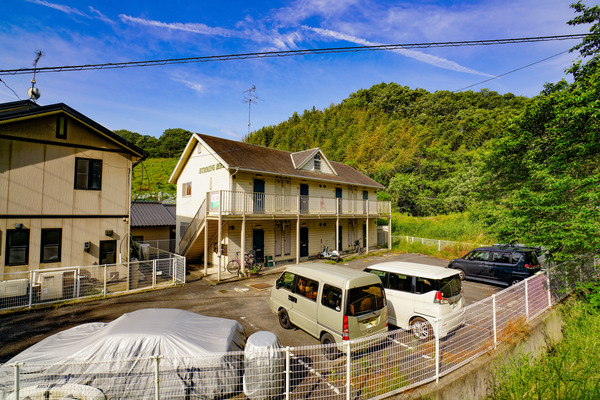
(13, 288)
(51, 285)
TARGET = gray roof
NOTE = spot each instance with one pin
(152, 213)
(252, 157)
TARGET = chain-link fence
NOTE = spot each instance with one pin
(26, 289)
(371, 368)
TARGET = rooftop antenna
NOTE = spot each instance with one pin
(33, 92)
(251, 97)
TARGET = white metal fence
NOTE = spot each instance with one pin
(371, 368)
(437, 243)
(26, 289)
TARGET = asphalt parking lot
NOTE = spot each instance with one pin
(246, 301)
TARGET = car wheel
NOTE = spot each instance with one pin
(513, 281)
(284, 319)
(421, 329)
(461, 273)
(329, 350)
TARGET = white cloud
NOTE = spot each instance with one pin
(101, 16)
(186, 27)
(417, 55)
(59, 7)
(300, 10)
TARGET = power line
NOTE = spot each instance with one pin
(511, 71)
(289, 53)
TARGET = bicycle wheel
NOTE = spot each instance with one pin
(258, 265)
(233, 266)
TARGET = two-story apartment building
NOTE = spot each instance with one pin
(65, 184)
(233, 197)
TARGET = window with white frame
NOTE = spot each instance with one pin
(317, 162)
(186, 189)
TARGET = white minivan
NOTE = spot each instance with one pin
(420, 294)
(332, 303)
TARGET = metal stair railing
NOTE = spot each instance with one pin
(192, 230)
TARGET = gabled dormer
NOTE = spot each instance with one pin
(312, 160)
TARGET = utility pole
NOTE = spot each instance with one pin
(250, 98)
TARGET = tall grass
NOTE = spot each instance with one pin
(568, 371)
(455, 227)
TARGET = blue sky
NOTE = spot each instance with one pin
(208, 97)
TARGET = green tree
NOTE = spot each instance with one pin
(173, 141)
(543, 177)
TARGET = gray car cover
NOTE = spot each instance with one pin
(199, 356)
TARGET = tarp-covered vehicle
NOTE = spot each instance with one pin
(200, 357)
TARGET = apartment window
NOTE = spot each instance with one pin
(61, 127)
(186, 189)
(50, 248)
(88, 174)
(317, 164)
(17, 247)
(108, 251)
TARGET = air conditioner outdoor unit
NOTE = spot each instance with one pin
(13, 288)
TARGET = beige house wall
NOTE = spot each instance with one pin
(37, 191)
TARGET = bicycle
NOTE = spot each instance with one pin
(357, 247)
(234, 266)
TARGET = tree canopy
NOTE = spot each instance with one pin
(542, 178)
(422, 145)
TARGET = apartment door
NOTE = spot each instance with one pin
(258, 243)
(339, 238)
(365, 201)
(338, 196)
(303, 198)
(304, 241)
(259, 196)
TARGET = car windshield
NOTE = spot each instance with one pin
(364, 299)
(450, 286)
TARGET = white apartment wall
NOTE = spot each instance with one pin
(198, 170)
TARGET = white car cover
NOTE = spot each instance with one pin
(195, 351)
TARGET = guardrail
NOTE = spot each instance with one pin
(45, 286)
(371, 368)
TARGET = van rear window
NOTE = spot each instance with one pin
(365, 299)
(450, 286)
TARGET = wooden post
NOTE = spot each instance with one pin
(298, 232)
(206, 208)
(220, 235)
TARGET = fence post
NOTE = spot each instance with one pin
(437, 350)
(549, 294)
(17, 382)
(105, 279)
(440, 245)
(527, 300)
(287, 373)
(348, 370)
(494, 317)
(156, 377)
(154, 274)
(174, 269)
(30, 288)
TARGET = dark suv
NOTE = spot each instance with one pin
(504, 264)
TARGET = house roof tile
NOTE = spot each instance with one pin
(151, 213)
(252, 157)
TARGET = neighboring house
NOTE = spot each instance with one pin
(280, 204)
(153, 222)
(65, 184)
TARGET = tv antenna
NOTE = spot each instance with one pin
(33, 92)
(250, 98)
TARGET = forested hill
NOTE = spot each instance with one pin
(421, 145)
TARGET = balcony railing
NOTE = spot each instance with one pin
(239, 203)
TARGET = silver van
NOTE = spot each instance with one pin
(332, 303)
(420, 294)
